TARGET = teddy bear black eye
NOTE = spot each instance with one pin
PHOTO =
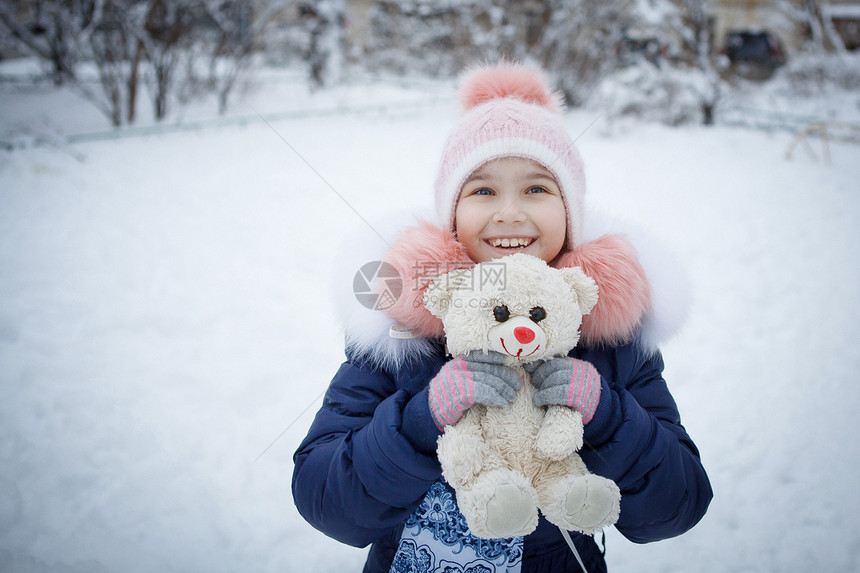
(537, 314)
(501, 313)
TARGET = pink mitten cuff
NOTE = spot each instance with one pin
(568, 382)
(479, 378)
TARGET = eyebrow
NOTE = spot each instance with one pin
(479, 175)
(541, 175)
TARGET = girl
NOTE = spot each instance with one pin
(510, 180)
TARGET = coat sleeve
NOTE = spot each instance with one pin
(356, 475)
(637, 440)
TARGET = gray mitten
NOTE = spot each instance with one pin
(567, 382)
(476, 378)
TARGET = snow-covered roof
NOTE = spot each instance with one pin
(842, 11)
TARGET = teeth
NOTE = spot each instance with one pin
(511, 242)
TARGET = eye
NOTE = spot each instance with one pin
(483, 191)
(501, 313)
(537, 189)
(537, 314)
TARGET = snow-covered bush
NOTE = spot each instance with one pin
(815, 73)
(810, 89)
(669, 95)
(441, 38)
(580, 44)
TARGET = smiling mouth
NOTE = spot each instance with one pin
(519, 353)
(510, 242)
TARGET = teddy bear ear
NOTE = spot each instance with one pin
(438, 295)
(584, 287)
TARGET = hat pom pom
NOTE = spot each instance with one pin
(504, 80)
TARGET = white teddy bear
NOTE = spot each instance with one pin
(506, 462)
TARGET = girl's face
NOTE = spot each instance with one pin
(511, 205)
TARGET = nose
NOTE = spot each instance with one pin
(524, 334)
(509, 212)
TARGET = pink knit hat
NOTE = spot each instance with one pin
(509, 110)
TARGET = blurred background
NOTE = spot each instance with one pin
(675, 61)
(186, 185)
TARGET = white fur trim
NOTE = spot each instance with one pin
(366, 331)
(671, 290)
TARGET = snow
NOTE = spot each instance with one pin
(166, 327)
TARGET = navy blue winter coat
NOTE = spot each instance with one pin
(369, 457)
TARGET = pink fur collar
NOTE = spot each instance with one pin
(425, 251)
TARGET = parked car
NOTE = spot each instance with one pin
(753, 54)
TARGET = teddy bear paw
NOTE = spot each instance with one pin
(585, 503)
(511, 512)
(500, 506)
(591, 504)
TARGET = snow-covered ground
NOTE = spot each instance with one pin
(165, 316)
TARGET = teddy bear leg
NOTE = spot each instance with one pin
(501, 503)
(560, 434)
(585, 503)
(460, 449)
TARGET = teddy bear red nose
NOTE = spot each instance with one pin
(524, 335)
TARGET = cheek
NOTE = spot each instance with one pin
(553, 230)
(557, 221)
(467, 223)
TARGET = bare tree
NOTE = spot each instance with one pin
(820, 29)
(110, 33)
(239, 29)
(118, 52)
(165, 37)
(324, 20)
(66, 33)
(159, 44)
(699, 45)
(136, 42)
(57, 32)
